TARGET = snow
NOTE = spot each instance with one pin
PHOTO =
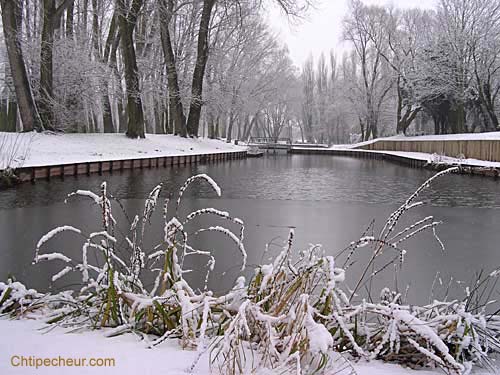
(24, 338)
(442, 159)
(232, 236)
(447, 137)
(444, 137)
(320, 340)
(52, 233)
(60, 274)
(53, 256)
(425, 156)
(39, 149)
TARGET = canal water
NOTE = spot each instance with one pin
(326, 200)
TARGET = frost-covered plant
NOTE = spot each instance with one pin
(436, 158)
(113, 292)
(282, 317)
(14, 297)
(14, 149)
(297, 309)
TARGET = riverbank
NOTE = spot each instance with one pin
(43, 149)
(433, 151)
(476, 149)
(44, 155)
(128, 351)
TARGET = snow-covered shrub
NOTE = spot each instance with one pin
(14, 297)
(113, 292)
(436, 158)
(80, 83)
(14, 149)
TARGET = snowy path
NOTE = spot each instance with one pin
(34, 149)
(23, 338)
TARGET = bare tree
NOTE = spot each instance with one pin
(361, 26)
(12, 25)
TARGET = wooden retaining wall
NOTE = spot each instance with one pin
(473, 149)
(87, 168)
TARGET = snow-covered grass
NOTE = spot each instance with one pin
(39, 149)
(295, 315)
(130, 352)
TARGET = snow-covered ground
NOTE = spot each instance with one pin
(444, 137)
(24, 338)
(433, 158)
(38, 149)
(448, 137)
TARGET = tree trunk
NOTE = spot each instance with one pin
(193, 121)
(107, 118)
(211, 125)
(217, 128)
(69, 21)
(158, 112)
(46, 67)
(11, 19)
(11, 116)
(177, 118)
(51, 21)
(229, 132)
(127, 21)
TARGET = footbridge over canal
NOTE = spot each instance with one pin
(265, 143)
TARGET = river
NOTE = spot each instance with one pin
(326, 200)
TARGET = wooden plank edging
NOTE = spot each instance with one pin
(74, 169)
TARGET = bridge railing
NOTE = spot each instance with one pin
(267, 140)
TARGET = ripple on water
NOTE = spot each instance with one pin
(295, 177)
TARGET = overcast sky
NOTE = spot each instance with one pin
(322, 30)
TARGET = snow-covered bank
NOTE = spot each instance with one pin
(488, 136)
(24, 338)
(439, 159)
(447, 137)
(422, 156)
(427, 157)
(39, 149)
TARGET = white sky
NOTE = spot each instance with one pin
(322, 30)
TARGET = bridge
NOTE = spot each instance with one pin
(266, 143)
